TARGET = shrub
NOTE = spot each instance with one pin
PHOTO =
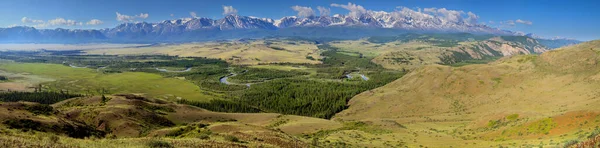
(512, 117)
(232, 138)
(40, 109)
(3, 78)
(204, 136)
(570, 143)
(26, 124)
(159, 144)
(54, 139)
(493, 123)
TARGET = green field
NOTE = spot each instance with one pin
(88, 81)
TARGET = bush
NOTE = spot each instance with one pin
(40, 109)
(159, 144)
(570, 143)
(3, 78)
(512, 117)
(25, 124)
(232, 138)
(204, 136)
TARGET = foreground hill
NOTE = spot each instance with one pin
(133, 121)
(525, 100)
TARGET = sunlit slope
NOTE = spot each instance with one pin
(421, 50)
(235, 52)
(550, 89)
(126, 120)
(89, 81)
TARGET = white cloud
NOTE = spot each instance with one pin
(447, 15)
(127, 18)
(506, 24)
(28, 20)
(54, 22)
(429, 10)
(324, 11)
(472, 19)
(193, 14)
(172, 15)
(62, 21)
(143, 15)
(412, 14)
(228, 10)
(303, 11)
(524, 22)
(520, 33)
(439, 16)
(513, 23)
(13, 25)
(94, 22)
(510, 22)
(355, 10)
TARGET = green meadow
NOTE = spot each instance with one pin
(89, 81)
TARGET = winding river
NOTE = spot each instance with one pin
(73, 66)
(364, 77)
(165, 70)
(224, 79)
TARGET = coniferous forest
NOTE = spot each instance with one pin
(316, 90)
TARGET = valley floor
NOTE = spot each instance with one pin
(329, 95)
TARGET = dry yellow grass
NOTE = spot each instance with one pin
(372, 50)
(466, 99)
(240, 53)
(415, 54)
(134, 122)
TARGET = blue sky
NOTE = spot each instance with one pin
(579, 19)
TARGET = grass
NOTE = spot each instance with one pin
(239, 53)
(312, 71)
(542, 126)
(515, 102)
(88, 81)
(475, 61)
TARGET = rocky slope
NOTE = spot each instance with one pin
(445, 51)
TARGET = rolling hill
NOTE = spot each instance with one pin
(410, 51)
(126, 120)
(522, 100)
(541, 100)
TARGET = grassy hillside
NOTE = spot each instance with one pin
(132, 121)
(250, 52)
(526, 100)
(89, 81)
(410, 51)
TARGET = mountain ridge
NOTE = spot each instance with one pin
(237, 26)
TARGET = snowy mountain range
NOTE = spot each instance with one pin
(236, 26)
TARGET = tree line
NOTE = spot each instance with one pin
(42, 97)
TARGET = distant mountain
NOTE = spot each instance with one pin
(555, 42)
(235, 26)
(21, 34)
(388, 20)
